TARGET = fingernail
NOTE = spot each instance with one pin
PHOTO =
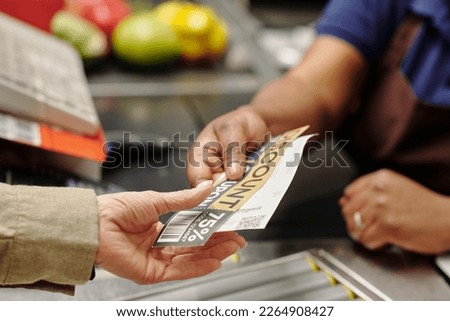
(222, 177)
(235, 170)
(354, 236)
(205, 184)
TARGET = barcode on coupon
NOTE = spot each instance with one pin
(177, 225)
(19, 130)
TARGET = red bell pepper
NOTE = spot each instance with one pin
(106, 14)
(37, 13)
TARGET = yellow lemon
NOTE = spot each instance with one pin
(193, 49)
(218, 40)
(168, 10)
(202, 33)
(192, 20)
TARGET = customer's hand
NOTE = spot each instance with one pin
(129, 225)
(223, 145)
(393, 209)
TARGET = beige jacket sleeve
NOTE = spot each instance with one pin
(48, 236)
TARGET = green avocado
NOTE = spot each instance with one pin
(142, 39)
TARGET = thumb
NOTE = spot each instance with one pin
(181, 200)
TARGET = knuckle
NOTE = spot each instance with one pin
(224, 126)
(388, 223)
(184, 195)
(212, 147)
(233, 155)
(228, 121)
(381, 201)
(231, 124)
(214, 163)
(381, 179)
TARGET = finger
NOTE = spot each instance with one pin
(239, 131)
(219, 176)
(354, 203)
(175, 201)
(221, 237)
(367, 216)
(253, 146)
(203, 161)
(227, 134)
(357, 185)
(153, 236)
(233, 139)
(186, 270)
(220, 252)
(343, 200)
(217, 238)
(373, 238)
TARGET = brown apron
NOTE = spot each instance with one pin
(395, 130)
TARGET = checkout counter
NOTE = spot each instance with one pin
(158, 106)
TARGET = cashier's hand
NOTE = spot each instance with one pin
(223, 145)
(129, 225)
(393, 209)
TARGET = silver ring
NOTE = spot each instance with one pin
(358, 220)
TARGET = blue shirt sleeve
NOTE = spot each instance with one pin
(365, 24)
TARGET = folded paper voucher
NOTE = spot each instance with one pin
(246, 204)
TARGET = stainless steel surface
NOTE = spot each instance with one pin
(298, 284)
(347, 277)
(189, 85)
(399, 275)
(304, 274)
(230, 282)
(334, 293)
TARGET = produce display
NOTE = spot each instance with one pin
(85, 36)
(170, 32)
(202, 33)
(142, 39)
(105, 14)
